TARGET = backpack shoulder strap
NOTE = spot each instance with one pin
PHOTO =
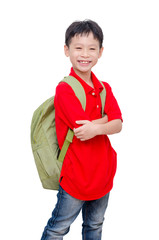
(80, 94)
(103, 97)
(77, 88)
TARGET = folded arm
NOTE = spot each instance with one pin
(90, 129)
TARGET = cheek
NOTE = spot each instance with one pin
(95, 55)
(74, 56)
(95, 58)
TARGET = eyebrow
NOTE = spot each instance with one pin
(90, 45)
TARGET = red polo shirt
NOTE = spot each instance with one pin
(89, 166)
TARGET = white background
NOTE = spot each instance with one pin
(32, 62)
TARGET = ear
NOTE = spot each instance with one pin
(100, 52)
(66, 51)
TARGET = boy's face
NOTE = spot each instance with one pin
(84, 52)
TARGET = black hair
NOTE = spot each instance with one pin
(84, 27)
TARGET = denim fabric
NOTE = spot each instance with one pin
(66, 211)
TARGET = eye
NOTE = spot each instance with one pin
(78, 48)
(92, 49)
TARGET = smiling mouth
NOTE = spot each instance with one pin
(84, 62)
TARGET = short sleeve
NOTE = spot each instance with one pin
(111, 106)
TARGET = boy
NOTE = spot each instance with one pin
(90, 163)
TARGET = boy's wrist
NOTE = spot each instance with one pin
(98, 129)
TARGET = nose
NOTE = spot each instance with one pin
(85, 53)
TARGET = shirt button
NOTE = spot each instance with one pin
(93, 93)
(97, 106)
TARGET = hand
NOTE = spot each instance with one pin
(86, 131)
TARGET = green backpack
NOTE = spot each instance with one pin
(46, 152)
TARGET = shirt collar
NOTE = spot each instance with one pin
(97, 85)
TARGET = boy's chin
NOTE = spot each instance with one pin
(84, 69)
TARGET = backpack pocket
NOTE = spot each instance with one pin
(49, 168)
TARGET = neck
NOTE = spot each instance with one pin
(86, 76)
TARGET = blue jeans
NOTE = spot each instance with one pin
(66, 211)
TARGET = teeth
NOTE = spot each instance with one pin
(84, 61)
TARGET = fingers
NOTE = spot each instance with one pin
(79, 133)
(77, 130)
(82, 122)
